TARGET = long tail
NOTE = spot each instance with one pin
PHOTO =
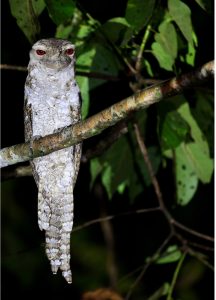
(55, 216)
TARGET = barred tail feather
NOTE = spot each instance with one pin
(58, 236)
(43, 210)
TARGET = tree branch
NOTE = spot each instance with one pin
(94, 125)
(95, 75)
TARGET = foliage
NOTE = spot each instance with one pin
(181, 132)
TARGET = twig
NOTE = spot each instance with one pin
(154, 180)
(199, 257)
(20, 171)
(95, 75)
(108, 234)
(144, 269)
(115, 133)
(193, 232)
(175, 275)
(203, 247)
(138, 65)
(13, 68)
(158, 193)
(171, 221)
(94, 125)
(95, 221)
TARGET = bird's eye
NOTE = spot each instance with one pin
(69, 51)
(40, 52)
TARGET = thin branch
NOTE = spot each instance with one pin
(99, 148)
(95, 75)
(115, 133)
(203, 247)
(107, 218)
(193, 232)
(107, 230)
(175, 275)
(20, 171)
(94, 125)
(171, 221)
(144, 269)
(144, 152)
(13, 68)
(200, 257)
(158, 193)
(138, 65)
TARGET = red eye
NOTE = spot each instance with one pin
(69, 51)
(40, 52)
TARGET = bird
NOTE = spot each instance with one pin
(52, 101)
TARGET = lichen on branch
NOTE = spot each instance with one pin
(94, 125)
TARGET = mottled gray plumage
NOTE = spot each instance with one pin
(52, 101)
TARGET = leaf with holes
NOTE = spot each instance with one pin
(202, 164)
(173, 128)
(186, 177)
(196, 133)
(204, 115)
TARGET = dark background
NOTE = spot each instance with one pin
(25, 268)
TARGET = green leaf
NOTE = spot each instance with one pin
(173, 129)
(167, 38)
(107, 180)
(148, 68)
(77, 30)
(204, 115)
(162, 291)
(172, 254)
(138, 13)
(116, 172)
(186, 178)
(105, 62)
(165, 46)
(135, 186)
(118, 30)
(190, 56)
(26, 13)
(63, 31)
(181, 14)
(164, 59)
(84, 63)
(83, 83)
(201, 162)
(196, 133)
(60, 11)
(97, 58)
(95, 170)
(205, 5)
(155, 159)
